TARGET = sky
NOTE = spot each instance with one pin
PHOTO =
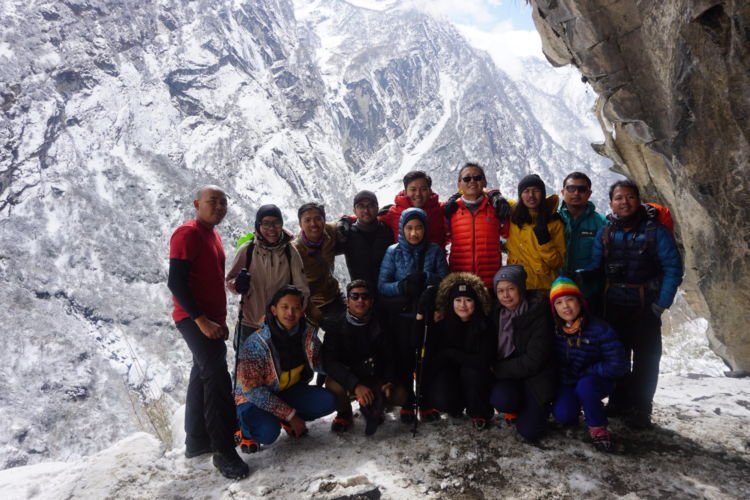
(503, 28)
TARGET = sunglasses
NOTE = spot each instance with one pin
(360, 296)
(469, 178)
(573, 188)
(271, 225)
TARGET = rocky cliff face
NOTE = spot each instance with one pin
(673, 80)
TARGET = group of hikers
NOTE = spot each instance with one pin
(431, 321)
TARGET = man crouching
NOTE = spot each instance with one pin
(274, 367)
(356, 358)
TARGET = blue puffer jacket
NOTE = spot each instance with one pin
(596, 351)
(402, 258)
(646, 255)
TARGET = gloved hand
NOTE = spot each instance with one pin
(500, 204)
(242, 282)
(451, 206)
(343, 226)
(412, 285)
(542, 233)
(657, 309)
(651, 212)
(384, 210)
(426, 303)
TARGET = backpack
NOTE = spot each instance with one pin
(664, 216)
(249, 251)
(657, 215)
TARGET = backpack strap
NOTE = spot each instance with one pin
(288, 252)
(249, 255)
(606, 239)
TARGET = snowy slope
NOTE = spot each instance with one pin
(699, 450)
(113, 113)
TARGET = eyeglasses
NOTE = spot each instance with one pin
(271, 225)
(360, 296)
(469, 178)
(365, 206)
(572, 188)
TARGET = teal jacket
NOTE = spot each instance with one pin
(579, 240)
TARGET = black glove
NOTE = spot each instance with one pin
(500, 204)
(242, 282)
(412, 285)
(343, 226)
(651, 212)
(451, 206)
(542, 233)
(384, 210)
(426, 303)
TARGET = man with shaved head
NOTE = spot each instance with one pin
(196, 280)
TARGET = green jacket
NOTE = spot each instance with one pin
(579, 239)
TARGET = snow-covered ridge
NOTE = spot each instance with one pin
(111, 116)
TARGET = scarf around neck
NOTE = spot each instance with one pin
(505, 345)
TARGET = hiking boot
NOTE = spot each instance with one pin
(373, 419)
(638, 420)
(601, 439)
(247, 445)
(480, 423)
(510, 418)
(407, 416)
(429, 415)
(231, 465)
(289, 430)
(198, 451)
(341, 423)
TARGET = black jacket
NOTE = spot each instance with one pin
(353, 353)
(533, 358)
(364, 251)
(454, 343)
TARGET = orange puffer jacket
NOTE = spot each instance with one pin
(475, 241)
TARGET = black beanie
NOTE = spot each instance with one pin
(365, 195)
(267, 211)
(462, 290)
(311, 206)
(532, 180)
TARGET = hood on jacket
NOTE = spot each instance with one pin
(411, 213)
(442, 302)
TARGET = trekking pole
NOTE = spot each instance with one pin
(238, 334)
(419, 370)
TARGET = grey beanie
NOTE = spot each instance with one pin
(365, 195)
(513, 273)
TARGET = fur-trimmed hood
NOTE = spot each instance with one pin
(475, 282)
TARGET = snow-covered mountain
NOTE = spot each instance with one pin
(112, 113)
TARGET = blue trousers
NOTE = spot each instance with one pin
(588, 393)
(311, 403)
(513, 396)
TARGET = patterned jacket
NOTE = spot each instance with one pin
(258, 370)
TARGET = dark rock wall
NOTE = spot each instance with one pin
(673, 79)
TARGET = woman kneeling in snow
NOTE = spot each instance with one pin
(460, 348)
(590, 357)
(274, 367)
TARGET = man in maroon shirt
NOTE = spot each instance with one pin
(196, 280)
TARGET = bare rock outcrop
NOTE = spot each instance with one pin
(673, 80)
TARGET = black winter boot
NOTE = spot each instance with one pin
(231, 465)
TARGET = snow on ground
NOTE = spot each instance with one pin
(700, 448)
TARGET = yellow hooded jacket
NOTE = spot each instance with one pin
(541, 262)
